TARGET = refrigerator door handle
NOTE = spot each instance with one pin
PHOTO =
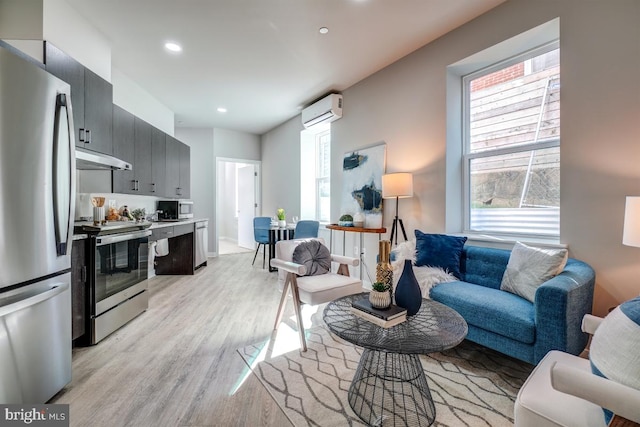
(33, 300)
(63, 170)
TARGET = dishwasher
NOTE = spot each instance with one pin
(202, 247)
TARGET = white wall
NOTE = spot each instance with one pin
(207, 145)
(404, 105)
(69, 31)
(281, 168)
(202, 175)
(133, 98)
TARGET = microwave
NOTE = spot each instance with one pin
(174, 210)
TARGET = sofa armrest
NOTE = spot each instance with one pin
(590, 323)
(341, 259)
(289, 266)
(618, 398)
(560, 305)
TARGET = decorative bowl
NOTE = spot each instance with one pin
(345, 223)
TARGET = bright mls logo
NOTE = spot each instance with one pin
(34, 415)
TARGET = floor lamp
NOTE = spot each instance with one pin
(399, 186)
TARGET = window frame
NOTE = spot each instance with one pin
(467, 156)
(321, 179)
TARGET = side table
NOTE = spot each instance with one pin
(389, 386)
(360, 230)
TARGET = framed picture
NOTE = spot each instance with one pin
(362, 172)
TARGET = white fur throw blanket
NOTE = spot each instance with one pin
(427, 277)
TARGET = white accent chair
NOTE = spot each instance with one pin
(312, 290)
(562, 391)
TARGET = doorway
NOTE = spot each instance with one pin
(237, 195)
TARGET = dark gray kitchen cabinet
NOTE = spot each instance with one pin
(158, 162)
(178, 169)
(185, 171)
(78, 288)
(91, 98)
(123, 148)
(142, 158)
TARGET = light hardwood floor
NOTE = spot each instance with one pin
(177, 364)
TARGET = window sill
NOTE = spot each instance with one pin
(507, 241)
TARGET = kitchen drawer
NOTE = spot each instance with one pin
(179, 230)
(161, 233)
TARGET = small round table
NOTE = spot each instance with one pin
(389, 386)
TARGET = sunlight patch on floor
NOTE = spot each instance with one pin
(282, 341)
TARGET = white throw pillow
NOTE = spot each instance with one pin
(529, 267)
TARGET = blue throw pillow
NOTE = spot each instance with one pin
(439, 250)
(615, 347)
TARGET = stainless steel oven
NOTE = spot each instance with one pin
(118, 284)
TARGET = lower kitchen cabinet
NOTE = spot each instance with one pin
(179, 261)
(78, 288)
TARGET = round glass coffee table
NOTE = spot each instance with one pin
(389, 386)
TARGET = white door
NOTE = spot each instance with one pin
(246, 206)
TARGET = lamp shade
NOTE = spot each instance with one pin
(397, 185)
(631, 231)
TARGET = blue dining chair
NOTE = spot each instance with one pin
(261, 226)
(305, 229)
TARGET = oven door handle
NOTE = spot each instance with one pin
(105, 240)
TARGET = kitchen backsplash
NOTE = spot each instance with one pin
(84, 208)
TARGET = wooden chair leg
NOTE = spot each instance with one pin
(343, 269)
(296, 302)
(283, 301)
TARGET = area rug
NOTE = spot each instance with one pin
(470, 385)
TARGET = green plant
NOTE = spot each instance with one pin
(346, 217)
(138, 213)
(380, 287)
(280, 213)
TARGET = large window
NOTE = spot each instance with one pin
(315, 173)
(512, 145)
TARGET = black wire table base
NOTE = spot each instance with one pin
(390, 389)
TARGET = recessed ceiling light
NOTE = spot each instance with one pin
(222, 110)
(323, 30)
(173, 47)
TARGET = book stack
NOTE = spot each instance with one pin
(386, 318)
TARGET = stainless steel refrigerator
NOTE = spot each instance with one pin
(37, 195)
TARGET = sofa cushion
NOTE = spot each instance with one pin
(439, 250)
(484, 266)
(529, 267)
(490, 309)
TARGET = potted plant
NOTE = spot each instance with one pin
(380, 295)
(282, 222)
(345, 220)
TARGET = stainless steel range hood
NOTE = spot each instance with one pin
(92, 160)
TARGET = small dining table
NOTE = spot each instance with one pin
(276, 234)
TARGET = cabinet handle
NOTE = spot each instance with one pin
(81, 135)
(137, 185)
(88, 137)
(153, 187)
(178, 192)
(133, 185)
(83, 274)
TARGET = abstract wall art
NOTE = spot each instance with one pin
(362, 171)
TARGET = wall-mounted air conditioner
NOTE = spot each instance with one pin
(325, 110)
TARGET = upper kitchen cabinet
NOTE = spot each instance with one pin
(178, 169)
(124, 148)
(142, 159)
(158, 162)
(91, 98)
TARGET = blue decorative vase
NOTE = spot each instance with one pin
(408, 294)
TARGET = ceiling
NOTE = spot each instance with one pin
(263, 60)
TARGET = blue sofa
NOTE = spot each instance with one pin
(510, 324)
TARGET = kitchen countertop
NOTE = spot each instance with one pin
(160, 224)
(82, 227)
